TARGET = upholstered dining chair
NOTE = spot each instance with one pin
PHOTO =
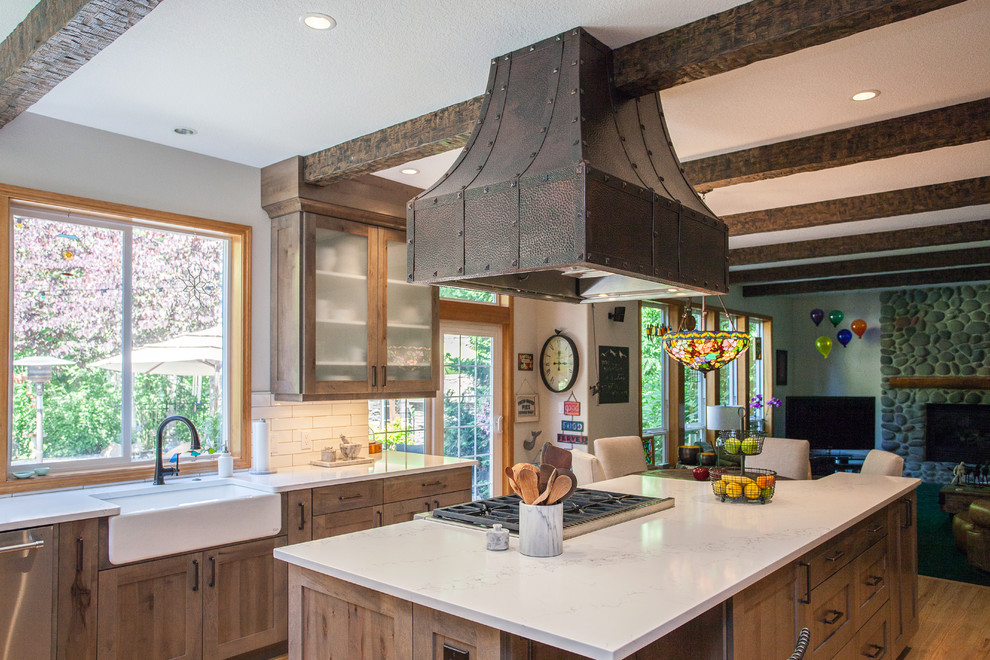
(586, 467)
(787, 457)
(878, 461)
(621, 455)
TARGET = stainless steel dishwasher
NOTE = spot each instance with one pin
(27, 574)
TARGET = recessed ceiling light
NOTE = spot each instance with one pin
(318, 21)
(184, 131)
(866, 95)
(409, 170)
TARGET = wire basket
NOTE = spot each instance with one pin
(735, 485)
(733, 445)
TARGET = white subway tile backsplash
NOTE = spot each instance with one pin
(299, 431)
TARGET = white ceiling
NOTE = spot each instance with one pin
(259, 87)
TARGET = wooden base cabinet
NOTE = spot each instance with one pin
(214, 604)
(77, 597)
(902, 548)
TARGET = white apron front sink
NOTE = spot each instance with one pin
(164, 520)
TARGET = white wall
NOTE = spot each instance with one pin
(56, 156)
(612, 419)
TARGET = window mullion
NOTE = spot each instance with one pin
(126, 346)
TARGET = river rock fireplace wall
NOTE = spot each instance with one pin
(937, 333)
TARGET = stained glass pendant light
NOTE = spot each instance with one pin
(705, 350)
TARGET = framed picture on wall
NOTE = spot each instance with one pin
(527, 408)
(780, 368)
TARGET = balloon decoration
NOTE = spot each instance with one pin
(844, 337)
(835, 316)
(817, 315)
(859, 327)
(824, 346)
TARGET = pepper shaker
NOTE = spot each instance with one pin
(497, 538)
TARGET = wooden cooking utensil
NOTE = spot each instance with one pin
(545, 489)
(574, 483)
(557, 457)
(527, 482)
(559, 489)
(512, 481)
(545, 471)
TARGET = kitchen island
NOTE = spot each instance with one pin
(653, 583)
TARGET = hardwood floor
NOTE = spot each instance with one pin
(953, 620)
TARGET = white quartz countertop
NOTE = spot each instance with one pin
(616, 589)
(33, 509)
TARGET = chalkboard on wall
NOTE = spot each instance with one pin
(613, 374)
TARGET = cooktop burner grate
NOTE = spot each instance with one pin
(584, 507)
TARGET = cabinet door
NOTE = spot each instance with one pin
(77, 591)
(764, 615)
(408, 362)
(830, 614)
(245, 596)
(902, 551)
(152, 610)
(345, 522)
(299, 516)
(339, 353)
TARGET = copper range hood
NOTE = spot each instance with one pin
(567, 191)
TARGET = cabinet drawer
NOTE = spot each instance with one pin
(872, 577)
(345, 522)
(871, 641)
(415, 486)
(829, 615)
(868, 532)
(396, 512)
(345, 497)
(828, 559)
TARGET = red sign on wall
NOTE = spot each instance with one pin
(572, 439)
(572, 407)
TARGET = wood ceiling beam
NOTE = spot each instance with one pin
(755, 31)
(896, 239)
(433, 133)
(749, 33)
(937, 197)
(943, 127)
(908, 279)
(919, 261)
(54, 40)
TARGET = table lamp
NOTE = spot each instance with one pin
(725, 418)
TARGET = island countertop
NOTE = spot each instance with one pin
(614, 590)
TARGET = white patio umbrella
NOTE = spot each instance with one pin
(192, 354)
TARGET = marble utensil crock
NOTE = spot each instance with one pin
(541, 530)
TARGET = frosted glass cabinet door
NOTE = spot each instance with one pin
(409, 323)
(341, 306)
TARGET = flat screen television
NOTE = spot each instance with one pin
(832, 423)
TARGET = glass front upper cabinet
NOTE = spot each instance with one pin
(409, 334)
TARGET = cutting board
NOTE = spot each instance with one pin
(352, 461)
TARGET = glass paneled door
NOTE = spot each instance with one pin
(470, 413)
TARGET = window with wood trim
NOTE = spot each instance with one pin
(117, 322)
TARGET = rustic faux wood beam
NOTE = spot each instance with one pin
(896, 239)
(54, 40)
(937, 197)
(944, 127)
(941, 382)
(752, 32)
(426, 135)
(913, 278)
(758, 30)
(902, 262)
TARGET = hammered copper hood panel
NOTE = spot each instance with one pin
(566, 190)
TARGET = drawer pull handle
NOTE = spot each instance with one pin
(874, 580)
(807, 583)
(427, 505)
(839, 554)
(909, 514)
(350, 497)
(877, 650)
(302, 516)
(195, 563)
(380, 521)
(213, 571)
(432, 483)
(374, 376)
(834, 617)
(79, 554)
(436, 504)
(877, 529)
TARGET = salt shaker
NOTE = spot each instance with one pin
(497, 538)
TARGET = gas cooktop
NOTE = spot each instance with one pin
(585, 511)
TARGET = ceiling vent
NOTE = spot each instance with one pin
(567, 190)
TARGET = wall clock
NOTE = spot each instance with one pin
(559, 363)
